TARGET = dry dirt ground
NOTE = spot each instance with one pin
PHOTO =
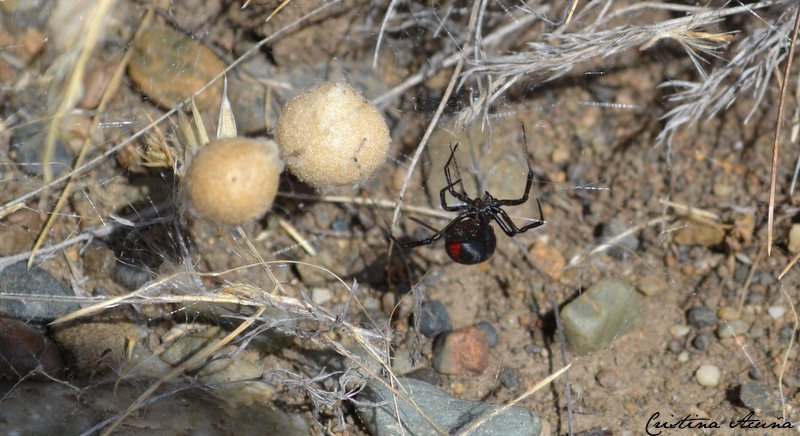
(696, 213)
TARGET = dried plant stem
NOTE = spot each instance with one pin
(113, 83)
(91, 33)
(777, 140)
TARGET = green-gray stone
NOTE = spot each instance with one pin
(606, 311)
(451, 415)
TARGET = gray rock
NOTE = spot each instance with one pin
(26, 149)
(606, 311)
(32, 408)
(451, 415)
(761, 399)
(18, 279)
(623, 247)
(434, 319)
(491, 333)
(701, 317)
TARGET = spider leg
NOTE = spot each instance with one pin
(442, 193)
(436, 236)
(529, 183)
(462, 196)
(429, 240)
(508, 226)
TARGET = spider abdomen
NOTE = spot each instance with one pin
(470, 242)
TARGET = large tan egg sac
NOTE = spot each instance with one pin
(332, 136)
(232, 181)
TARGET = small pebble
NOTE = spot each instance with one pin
(651, 285)
(683, 357)
(785, 333)
(340, 225)
(740, 273)
(606, 378)
(679, 331)
(722, 190)
(27, 144)
(18, 230)
(728, 313)
(623, 247)
(708, 375)
(491, 333)
(675, 346)
(755, 373)
(131, 276)
(700, 317)
(533, 349)
(701, 341)
(698, 232)
(754, 298)
(433, 277)
(434, 319)
(509, 378)
(321, 296)
(460, 351)
(733, 328)
(794, 239)
(401, 361)
(631, 407)
(776, 311)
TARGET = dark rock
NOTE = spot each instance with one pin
(533, 349)
(509, 378)
(26, 149)
(606, 378)
(434, 319)
(23, 349)
(623, 247)
(701, 341)
(131, 276)
(18, 279)
(701, 317)
(491, 333)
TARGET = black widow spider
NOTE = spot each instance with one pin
(469, 238)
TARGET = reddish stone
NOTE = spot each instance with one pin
(461, 350)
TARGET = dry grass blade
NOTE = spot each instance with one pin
(777, 140)
(71, 96)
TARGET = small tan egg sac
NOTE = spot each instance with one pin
(234, 180)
